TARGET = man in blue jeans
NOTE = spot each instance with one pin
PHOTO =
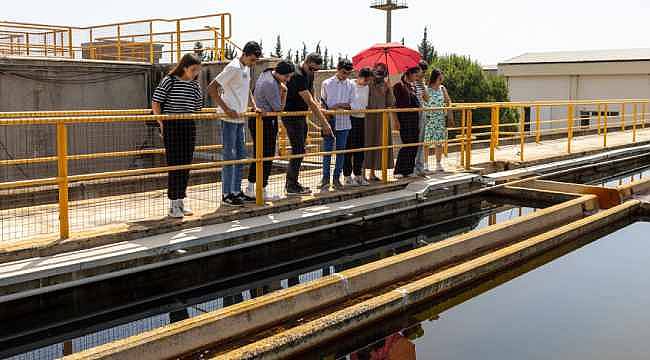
(231, 92)
(337, 93)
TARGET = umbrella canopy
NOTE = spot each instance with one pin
(397, 56)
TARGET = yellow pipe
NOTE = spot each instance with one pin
(600, 118)
(495, 115)
(605, 126)
(538, 126)
(259, 155)
(569, 127)
(468, 150)
(119, 43)
(522, 137)
(635, 114)
(223, 38)
(151, 55)
(384, 144)
(27, 43)
(178, 40)
(622, 117)
(62, 179)
(70, 52)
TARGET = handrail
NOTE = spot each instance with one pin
(468, 136)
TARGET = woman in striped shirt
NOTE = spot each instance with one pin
(179, 93)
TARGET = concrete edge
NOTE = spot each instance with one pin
(270, 309)
(328, 327)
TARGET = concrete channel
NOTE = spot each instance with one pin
(422, 273)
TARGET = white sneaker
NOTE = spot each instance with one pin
(362, 181)
(350, 181)
(175, 210)
(439, 167)
(185, 208)
(268, 196)
(250, 190)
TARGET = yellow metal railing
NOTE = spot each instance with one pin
(505, 122)
(150, 40)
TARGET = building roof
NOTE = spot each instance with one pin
(580, 56)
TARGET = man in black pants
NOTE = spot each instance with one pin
(270, 96)
(356, 140)
(299, 98)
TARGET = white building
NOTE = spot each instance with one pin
(578, 75)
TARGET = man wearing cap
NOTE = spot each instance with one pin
(270, 96)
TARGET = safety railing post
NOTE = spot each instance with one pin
(62, 179)
(151, 54)
(623, 117)
(468, 135)
(384, 146)
(223, 38)
(538, 124)
(569, 127)
(70, 51)
(27, 43)
(522, 134)
(643, 115)
(605, 118)
(493, 127)
(635, 113)
(600, 118)
(259, 155)
(119, 43)
(178, 40)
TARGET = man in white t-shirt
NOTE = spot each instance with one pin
(231, 90)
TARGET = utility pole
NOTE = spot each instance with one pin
(389, 6)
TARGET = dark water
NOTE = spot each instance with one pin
(73, 320)
(623, 179)
(588, 302)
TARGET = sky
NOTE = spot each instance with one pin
(488, 31)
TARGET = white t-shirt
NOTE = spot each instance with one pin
(360, 99)
(236, 82)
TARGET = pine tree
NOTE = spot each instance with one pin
(304, 51)
(426, 48)
(332, 61)
(326, 60)
(318, 48)
(297, 58)
(278, 48)
(403, 42)
(289, 55)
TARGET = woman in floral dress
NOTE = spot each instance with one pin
(435, 130)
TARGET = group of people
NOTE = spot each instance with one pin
(290, 88)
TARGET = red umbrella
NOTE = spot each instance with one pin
(397, 56)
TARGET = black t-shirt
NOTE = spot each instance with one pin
(299, 82)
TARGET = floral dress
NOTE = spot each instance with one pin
(435, 130)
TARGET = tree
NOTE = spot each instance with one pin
(326, 60)
(318, 51)
(304, 51)
(426, 48)
(403, 41)
(466, 81)
(230, 53)
(278, 49)
(297, 58)
(289, 55)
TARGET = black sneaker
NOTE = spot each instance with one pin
(232, 200)
(297, 190)
(245, 198)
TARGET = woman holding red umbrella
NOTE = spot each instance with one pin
(409, 122)
(380, 96)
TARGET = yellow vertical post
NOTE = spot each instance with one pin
(461, 139)
(119, 43)
(600, 118)
(45, 44)
(215, 48)
(91, 48)
(62, 179)
(634, 117)
(468, 148)
(623, 117)
(644, 114)
(178, 40)
(605, 117)
(171, 43)
(569, 127)
(384, 143)
(62, 43)
(223, 38)
(538, 124)
(522, 133)
(27, 43)
(151, 54)
(54, 43)
(494, 124)
(70, 52)
(259, 155)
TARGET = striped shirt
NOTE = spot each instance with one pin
(177, 96)
(420, 90)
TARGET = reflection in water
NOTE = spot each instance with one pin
(623, 179)
(567, 304)
(32, 342)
